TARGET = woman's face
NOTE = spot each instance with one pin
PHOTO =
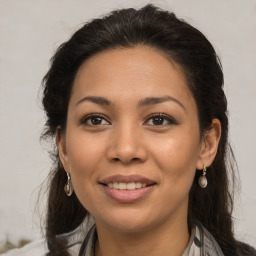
(132, 141)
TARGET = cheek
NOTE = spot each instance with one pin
(175, 152)
(85, 154)
(178, 166)
(176, 156)
(84, 150)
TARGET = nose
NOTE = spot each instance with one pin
(126, 145)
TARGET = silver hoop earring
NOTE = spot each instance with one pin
(202, 180)
(68, 186)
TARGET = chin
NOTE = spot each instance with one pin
(130, 221)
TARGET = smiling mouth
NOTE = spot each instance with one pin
(131, 182)
(127, 186)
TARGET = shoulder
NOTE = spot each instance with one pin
(37, 248)
(40, 247)
(211, 247)
(206, 243)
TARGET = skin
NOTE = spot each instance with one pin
(127, 140)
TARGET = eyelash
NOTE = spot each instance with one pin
(90, 116)
(170, 120)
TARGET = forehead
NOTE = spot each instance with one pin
(129, 73)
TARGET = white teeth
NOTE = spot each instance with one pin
(122, 186)
(130, 186)
(126, 186)
(139, 185)
(115, 185)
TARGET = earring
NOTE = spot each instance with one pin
(202, 180)
(68, 186)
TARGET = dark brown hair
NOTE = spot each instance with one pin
(189, 48)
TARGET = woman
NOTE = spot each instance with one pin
(135, 102)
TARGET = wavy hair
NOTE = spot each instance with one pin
(190, 49)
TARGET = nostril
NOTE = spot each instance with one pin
(116, 159)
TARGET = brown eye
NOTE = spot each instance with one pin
(94, 120)
(157, 120)
(160, 120)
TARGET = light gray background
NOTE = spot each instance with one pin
(31, 30)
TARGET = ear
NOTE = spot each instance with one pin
(209, 145)
(61, 144)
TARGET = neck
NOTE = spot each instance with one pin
(161, 240)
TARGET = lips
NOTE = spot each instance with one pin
(127, 179)
(127, 189)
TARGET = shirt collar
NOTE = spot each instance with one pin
(201, 242)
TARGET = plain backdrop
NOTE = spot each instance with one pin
(30, 32)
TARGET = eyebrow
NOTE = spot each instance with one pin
(157, 100)
(142, 103)
(95, 99)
